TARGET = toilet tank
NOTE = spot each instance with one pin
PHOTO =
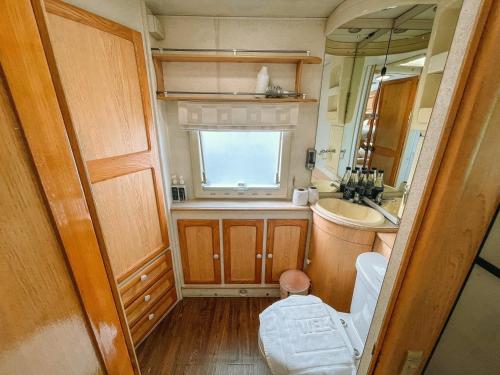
(371, 269)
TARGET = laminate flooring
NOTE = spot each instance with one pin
(205, 336)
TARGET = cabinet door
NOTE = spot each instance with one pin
(106, 101)
(243, 251)
(286, 245)
(200, 251)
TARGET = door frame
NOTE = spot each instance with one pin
(35, 95)
(430, 276)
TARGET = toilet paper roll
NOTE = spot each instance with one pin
(313, 194)
(300, 196)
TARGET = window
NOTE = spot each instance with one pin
(240, 163)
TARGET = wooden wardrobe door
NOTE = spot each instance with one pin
(103, 73)
(243, 251)
(286, 246)
(200, 251)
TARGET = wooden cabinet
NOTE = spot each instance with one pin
(106, 99)
(243, 251)
(384, 242)
(332, 260)
(286, 245)
(200, 251)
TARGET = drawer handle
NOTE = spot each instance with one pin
(308, 261)
(147, 298)
(216, 256)
(270, 256)
(144, 277)
(259, 256)
(151, 316)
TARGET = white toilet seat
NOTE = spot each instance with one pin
(303, 335)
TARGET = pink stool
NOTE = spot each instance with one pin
(294, 282)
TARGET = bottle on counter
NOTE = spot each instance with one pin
(378, 187)
(345, 179)
(370, 182)
(374, 173)
(361, 182)
(350, 188)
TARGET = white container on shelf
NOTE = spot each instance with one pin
(262, 81)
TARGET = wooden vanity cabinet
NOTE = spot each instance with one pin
(286, 245)
(200, 251)
(332, 260)
(243, 240)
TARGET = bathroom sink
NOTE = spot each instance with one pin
(351, 213)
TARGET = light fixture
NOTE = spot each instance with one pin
(391, 7)
(354, 30)
(415, 63)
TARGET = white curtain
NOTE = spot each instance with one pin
(236, 116)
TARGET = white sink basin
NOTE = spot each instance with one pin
(349, 212)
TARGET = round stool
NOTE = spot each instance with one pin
(294, 282)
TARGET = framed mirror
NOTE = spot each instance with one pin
(381, 75)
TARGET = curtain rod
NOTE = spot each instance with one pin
(234, 50)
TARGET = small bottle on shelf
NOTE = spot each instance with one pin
(350, 187)
(360, 189)
(370, 181)
(378, 187)
(345, 179)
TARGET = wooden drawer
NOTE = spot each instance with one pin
(146, 300)
(144, 324)
(145, 278)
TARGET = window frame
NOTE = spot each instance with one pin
(202, 191)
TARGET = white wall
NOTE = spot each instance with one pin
(249, 33)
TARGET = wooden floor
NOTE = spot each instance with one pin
(206, 336)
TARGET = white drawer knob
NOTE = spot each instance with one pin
(259, 256)
(147, 298)
(216, 256)
(144, 277)
(308, 261)
(270, 256)
(151, 316)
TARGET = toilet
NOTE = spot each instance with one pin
(304, 335)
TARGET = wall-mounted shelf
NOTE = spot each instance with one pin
(231, 99)
(299, 61)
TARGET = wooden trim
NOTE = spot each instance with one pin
(222, 99)
(274, 59)
(137, 266)
(274, 223)
(464, 179)
(182, 224)
(160, 79)
(115, 166)
(259, 225)
(298, 76)
(71, 12)
(34, 95)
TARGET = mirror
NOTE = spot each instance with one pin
(381, 75)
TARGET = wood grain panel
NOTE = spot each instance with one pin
(42, 318)
(460, 201)
(26, 65)
(127, 214)
(200, 251)
(332, 267)
(103, 76)
(99, 75)
(243, 240)
(286, 245)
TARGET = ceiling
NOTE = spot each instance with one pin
(244, 8)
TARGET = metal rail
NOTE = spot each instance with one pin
(234, 51)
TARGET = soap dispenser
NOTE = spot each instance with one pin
(262, 81)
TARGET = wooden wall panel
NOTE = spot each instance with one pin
(26, 64)
(44, 328)
(127, 213)
(243, 240)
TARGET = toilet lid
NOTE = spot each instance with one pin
(303, 335)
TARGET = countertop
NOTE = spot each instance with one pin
(236, 205)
